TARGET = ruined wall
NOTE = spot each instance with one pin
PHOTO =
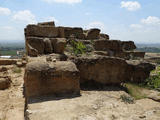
(53, 70)
(46, 38)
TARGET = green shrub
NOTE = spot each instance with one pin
(127, 99)
(78, 47)
(134, 90)
(153, 81)
(16, 70)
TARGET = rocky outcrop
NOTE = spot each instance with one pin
(47, 24)
(38, 46)
(93, 34)
(138, 71)
(105, 70)
(112, 70)
(105, 61)
(105, 36)
(41, 31)
(43, 78)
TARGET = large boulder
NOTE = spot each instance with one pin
(47, 24)
(38, 46)
(35, 46)
(105, 45)
(128, 45)
(129, 54)
(105, 36)
(47, 46)
(66, 32)
(138, 71)
(101, 69)
(111, 70)
(58, 78)
(58, 45)
(4, 83)
(41, 31)
(93, 34)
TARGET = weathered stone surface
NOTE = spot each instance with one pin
(104, 36)
(66, 32)
(47, 24)
(101, 53)
(41, 31)
(105, 45)
(93, 34)
(4, 83)
(105, 70)
(138, 71)
(111, 70)
(58, 44)
(128, 45)
(19, 64)
(47, 46)
(58, 57)
(34, 46)
(42, 78)
(129, 54)
(138, 54)
(7, 61)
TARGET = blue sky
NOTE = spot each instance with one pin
(137, 20)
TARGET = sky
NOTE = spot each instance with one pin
(137, 20)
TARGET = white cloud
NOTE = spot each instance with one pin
(96, 24)
(51, 18)
(131, 5)
(135, 26)
(146, 31)
(63, 1)
(5, 11)
(151, 20)
(25, 16)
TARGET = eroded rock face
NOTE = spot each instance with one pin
(47, 24)
(105, 45)
(58, 44)
(138, 71)
(43, 78)
(93, 34)
(129, 54)
(38, 46)
(128, 45)
(41, 31)
(34, 46)
(102, 35)
(112, 70)
(105, 70)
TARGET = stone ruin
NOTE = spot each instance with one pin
(51, 69)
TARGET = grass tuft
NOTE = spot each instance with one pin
(127, 99)
(135, 90)
(16, 70)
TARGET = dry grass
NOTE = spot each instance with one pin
(16, 69)
(135, 91)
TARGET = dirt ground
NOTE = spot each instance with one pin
(92, 105)
(12, 100)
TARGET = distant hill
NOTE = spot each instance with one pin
(153, 48)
